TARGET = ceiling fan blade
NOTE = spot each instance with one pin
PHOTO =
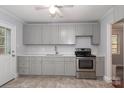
(58, 11)
(41, 7)
(64, 6)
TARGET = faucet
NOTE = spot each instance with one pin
(56, 51)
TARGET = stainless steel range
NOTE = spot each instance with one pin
(85, 63)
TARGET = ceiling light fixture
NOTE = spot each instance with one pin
(52, 9)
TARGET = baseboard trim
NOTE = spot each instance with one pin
(107, 79)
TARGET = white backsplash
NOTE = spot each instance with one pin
(85, 42)
(81, 42)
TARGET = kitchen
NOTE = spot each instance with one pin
(55, 46)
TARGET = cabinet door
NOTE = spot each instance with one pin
(35, 65)
(45, 34)
(95, 40)
(23, 65)
(83, 29)
(70, 68)
(66, 33)
(54, 34)
(100, 66)
(48, 68)
(23, 71)
(59, 68)
(50, 34)
(32, 34)
(23, 61)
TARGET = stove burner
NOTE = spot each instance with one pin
(83, 52)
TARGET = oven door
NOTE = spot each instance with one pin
(86, 64)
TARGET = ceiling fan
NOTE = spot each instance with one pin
(54, 10)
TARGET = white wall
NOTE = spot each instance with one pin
(105, 43)
(11, 19)
(81, 42)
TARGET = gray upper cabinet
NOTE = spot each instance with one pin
(66, 33)
(32, 34)
(45, 34)
(95, 39)
(50, 34)
(60, 33)
(83, 29)
(118, 13)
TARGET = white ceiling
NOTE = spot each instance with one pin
(78, 13)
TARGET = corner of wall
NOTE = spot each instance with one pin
(107, 79)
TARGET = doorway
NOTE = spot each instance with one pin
(117, 55)
(7, 52)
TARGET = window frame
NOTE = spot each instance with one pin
(117, 44)
(5, 45)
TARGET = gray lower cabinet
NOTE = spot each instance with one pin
(29, 65)
(100, 66)
(70, 67)
(53, 66)
(59, 66)
(48, 68)
(37, 65)
(23, 65)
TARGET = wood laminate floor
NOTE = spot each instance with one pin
(55, 82)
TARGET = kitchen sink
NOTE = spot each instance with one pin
(54, 55)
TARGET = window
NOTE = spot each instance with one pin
(5, 41)
(115, 44)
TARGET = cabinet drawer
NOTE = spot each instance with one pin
(48, 58)
(38, 58)
(72, 59)
(69, 59)
(59, 59)
(23, 70)
(23, 64)
(23, 58)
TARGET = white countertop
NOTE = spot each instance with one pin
(48, 55)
